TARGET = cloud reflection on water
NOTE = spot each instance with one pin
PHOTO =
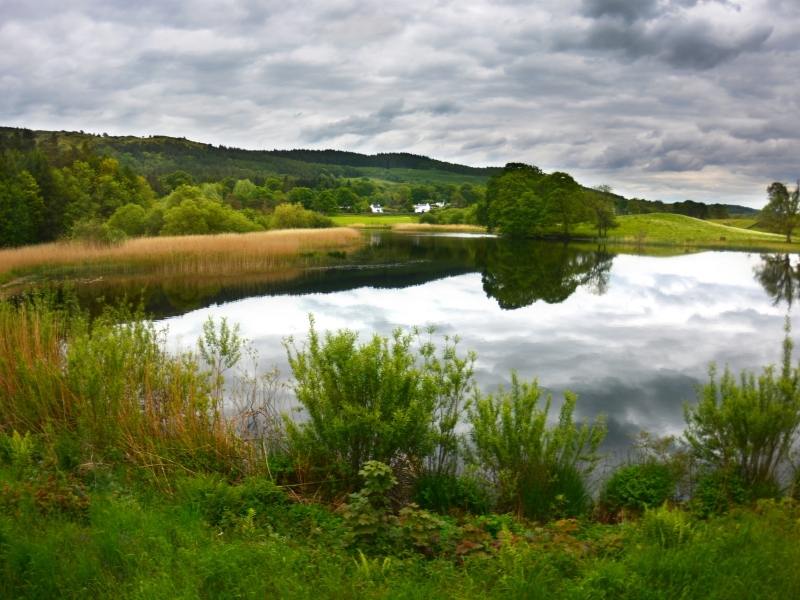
(635, 353)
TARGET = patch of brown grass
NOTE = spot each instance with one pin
(184, 255)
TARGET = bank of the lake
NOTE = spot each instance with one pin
(122, 477)
(633, 232)
(199, 256)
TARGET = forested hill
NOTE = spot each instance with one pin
(160, 155)
(384, 160)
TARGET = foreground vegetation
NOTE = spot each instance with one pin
(129, 471)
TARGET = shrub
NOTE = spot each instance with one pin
(96, 232)
(747, 427)
(131, 219)
(444, 493)
(294, 216)
(637, 487)
(717, 491)
(539, 470)
(381, 400)
(222, 504)
(367, 516)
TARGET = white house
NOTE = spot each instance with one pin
(422, 208)
(376, 208)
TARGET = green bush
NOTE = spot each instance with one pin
(444, 493)
(223, 504)
(294, 216)
(96, 232)
(747, 427)
(131, 219)
(539, 470)
(717, 491)
(381, 400)
(637, 487)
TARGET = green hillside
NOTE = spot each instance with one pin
(159, 155)
(664, 228)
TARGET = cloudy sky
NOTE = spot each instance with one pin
(668, 99)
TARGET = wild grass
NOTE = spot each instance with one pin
(202, 255)
(109, 392)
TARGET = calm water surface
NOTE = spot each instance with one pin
(632, 335)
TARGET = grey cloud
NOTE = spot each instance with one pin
(680, 43)
(624, 9)
(372, 124)
(660, 98)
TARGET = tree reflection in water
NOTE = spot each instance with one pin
(780, 278)
(518, 273)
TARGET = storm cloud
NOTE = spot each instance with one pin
(668, 99)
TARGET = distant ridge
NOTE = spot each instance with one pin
(383, 160)
(158, 155)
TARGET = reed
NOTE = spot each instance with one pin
(182, 255)
(111, 392)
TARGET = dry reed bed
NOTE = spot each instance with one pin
(185, 255)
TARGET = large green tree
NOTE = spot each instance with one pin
(782, 211)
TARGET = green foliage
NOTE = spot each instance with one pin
(104, 391)
(666, 527)
(782, 211)
(96, 232)
(716, 492)
(444, 493)
(221, 349)
(637, 487)
(294, 216)
(224, 505)
(747, 427)
(368, 401)
(522, 201)
(195, 211)
(131, 219)
(367, 515)
(21, 207)
(538, 469)
(451, 216)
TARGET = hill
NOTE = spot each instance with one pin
(666, 228)
(155, 156)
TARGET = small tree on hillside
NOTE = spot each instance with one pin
(782, 211)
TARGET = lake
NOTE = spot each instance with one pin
(632, 335)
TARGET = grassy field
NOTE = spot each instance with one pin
(679, 230)
(373, 221)
(201, 255)
(210, 539)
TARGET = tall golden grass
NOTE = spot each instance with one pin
(113, 389)
(223, 254)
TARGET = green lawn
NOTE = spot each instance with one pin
(370, 220)
(663, 228)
